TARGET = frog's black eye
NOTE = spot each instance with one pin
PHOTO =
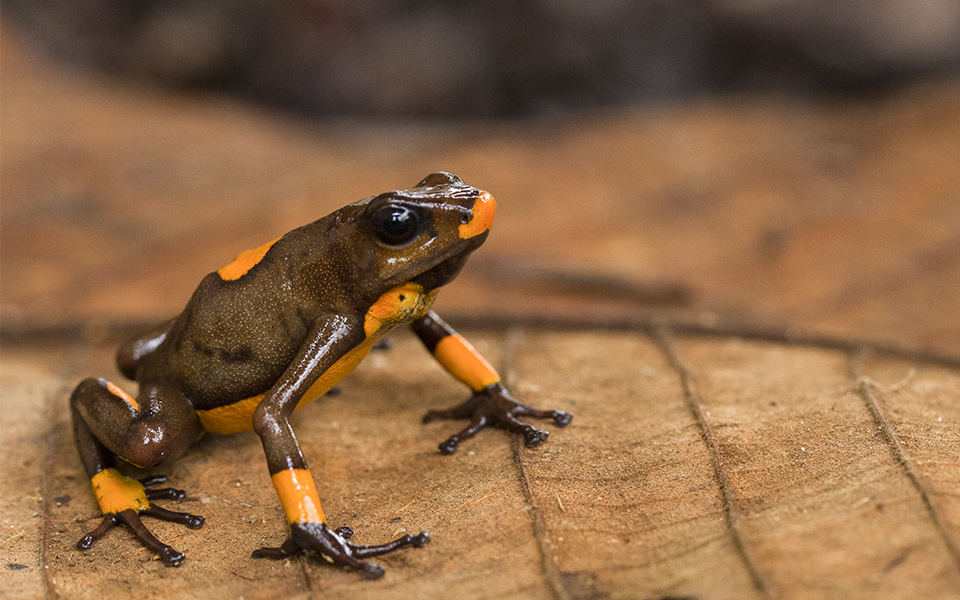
(395, 225)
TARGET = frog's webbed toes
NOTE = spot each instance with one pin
(191, 521)
(332, 546)
(493, 406)
(160, 493)
(288, 549)
(169, 555)
(130, 518)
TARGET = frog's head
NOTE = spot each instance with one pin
(425, 234)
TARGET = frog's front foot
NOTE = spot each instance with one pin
(333, 546)
(130, 517)
(494, 406)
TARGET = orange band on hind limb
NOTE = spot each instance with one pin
(459, 358)
(298, 496)
(116, 492)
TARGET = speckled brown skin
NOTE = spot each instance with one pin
(227, 345)
(279, 326)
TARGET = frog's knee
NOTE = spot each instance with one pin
(153, 441)
(85, 389)
(146, 445)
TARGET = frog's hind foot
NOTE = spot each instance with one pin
(333, 546)
(130, 518)
(494, 406)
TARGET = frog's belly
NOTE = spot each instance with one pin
(239, 415)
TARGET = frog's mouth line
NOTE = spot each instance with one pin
(447, 270)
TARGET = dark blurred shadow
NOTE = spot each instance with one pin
(498, 57)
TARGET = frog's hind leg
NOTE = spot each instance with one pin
(132, 352)
(107, 423)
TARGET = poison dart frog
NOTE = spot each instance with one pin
(276, 329)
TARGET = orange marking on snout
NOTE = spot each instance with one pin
(483, 210)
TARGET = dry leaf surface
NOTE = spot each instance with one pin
(693, 468)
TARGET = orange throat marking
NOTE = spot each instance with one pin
(238, 416)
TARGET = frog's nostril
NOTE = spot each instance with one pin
(484, 209)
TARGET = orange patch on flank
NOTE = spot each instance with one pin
(484, 209)
(460, 359)
(244, 262)
(231, 418)
(119, 393)
(116, 492)
(400, 305)
(238, 416)
(298, 495)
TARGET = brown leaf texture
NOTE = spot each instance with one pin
(693, 468)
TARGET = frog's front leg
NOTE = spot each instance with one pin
(159, 424)
(331, 340)
(490, 404)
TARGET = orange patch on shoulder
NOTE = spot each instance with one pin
(245, 261)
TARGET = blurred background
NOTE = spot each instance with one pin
(784, 163)
(498, 58)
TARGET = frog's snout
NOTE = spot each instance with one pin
(483, 210)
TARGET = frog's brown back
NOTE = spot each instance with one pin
(235, 337)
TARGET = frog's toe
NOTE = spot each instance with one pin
(165, 494)
(131, 520)
(130, 504)
(288, 549)
(171, 557)
(153, 493)
(168, 555)
(493, 406)
(332, 546)
(417, 541)
(191, 521)
(86, 542)
(450, 445)
(344, 532)
(534, 437)
(371, 571)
